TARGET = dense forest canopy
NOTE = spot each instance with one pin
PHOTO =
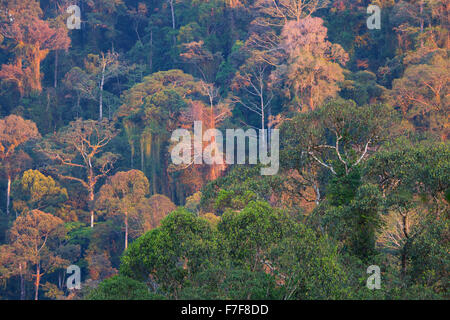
(91, 93)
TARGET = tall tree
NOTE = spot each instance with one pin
(340, 134)
(34, 239)
(121, 195)
(81, 146)
(278, 12)
(313, 65)
(251, 84)
(423, 95)
(34, 38)
(14, 131)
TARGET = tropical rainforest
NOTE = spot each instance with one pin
(92, 90)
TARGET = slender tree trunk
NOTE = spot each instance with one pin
(102, 83)
(311, 102)
(36, 69)
(38, 280)
(56, 70)
(172, 10)
(214, 170)
(142, 155)
(261, 97)
(91, 199)
(317, 191)
(22, 283)
(132, 159)
(262, 124)
(78, 104)
(91, 195)
(126, 230)
(421, 24)
(404, 250)
(151, 53)
(8, 195)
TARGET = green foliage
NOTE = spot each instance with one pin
(121, 288)
(37, 191)
(365, 162)
(173, 253)
(258, 226)
(237, 188)
(429, 256)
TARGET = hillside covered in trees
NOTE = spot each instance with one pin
(356, 92)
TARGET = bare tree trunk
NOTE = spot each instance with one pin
(262, 113)
(404, 250)
(22, 283)
(317, 191)
(38, 280)
(126, 230)
(56, 70)
(421, 24)
(172, 10)
(78, 104)
(91, 195)
(151, 53)
(142, 155)
(8, 195)
(102, 82)
(91, 199)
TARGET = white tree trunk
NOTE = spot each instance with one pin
(102, 82)
(8, 195)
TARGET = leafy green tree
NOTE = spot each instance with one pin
(121, 288)
(34, 190)
(413, 179)
(308, 266)
(339, 134)
(428, 256)
(258, 226)
(232, 283)
(169, 256)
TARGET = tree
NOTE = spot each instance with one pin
(81, 146)
(154, 108)
(352, 131)
(205, 64)
(121, 288)
(83, 86)
(151, 211)
(313, 66)
(307, 265)
(258, 226)
(429, 255)
(277, 13)
(151, 110)
(121, 195)
(170, 256)
(34, 239)
(107, 66)
(254, 92)
(423, 95)
(14, 131)
(35, 37)
(413, 180)
(37, 191)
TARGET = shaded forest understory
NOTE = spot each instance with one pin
(87, 179)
